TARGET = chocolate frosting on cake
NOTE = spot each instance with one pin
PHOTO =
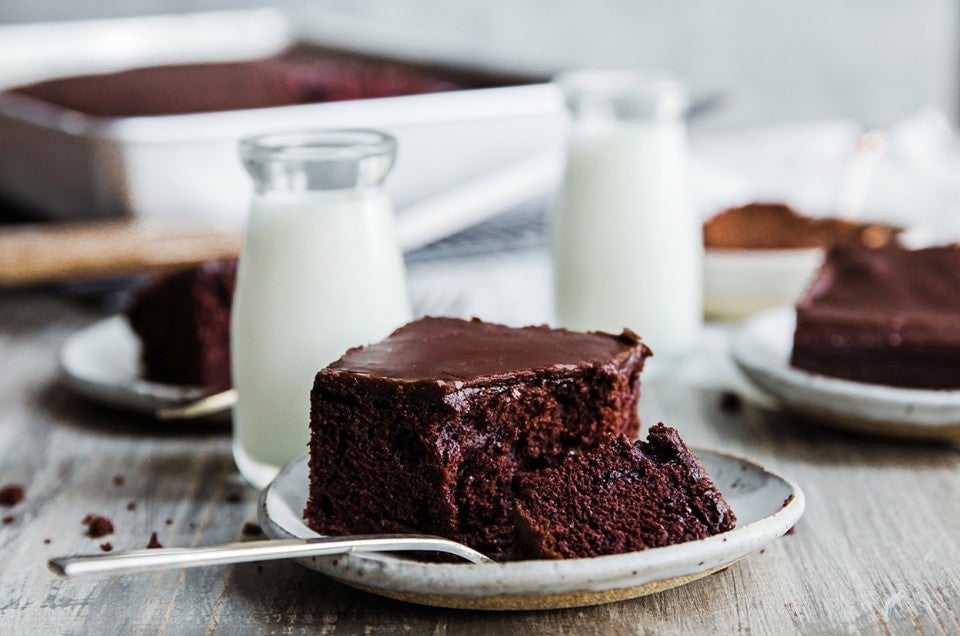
(911, 293)
(449, 349)
(886, 316)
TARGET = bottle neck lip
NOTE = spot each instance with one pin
(619, 95)
(317, 145)
(318, 160)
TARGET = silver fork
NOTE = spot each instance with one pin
(245, 552)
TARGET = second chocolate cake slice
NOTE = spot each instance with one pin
(428, 430)
(885, 316)
(183, 323)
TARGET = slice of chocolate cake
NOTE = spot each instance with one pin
(427, 430)
(885, 316)
(183, 323)
(770, 226)
(619, 497)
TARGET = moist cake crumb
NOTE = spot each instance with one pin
(12, 494)
(730, 402)
(169, 521)
(106, 547)
(154, 542)
(620, 497)
(119, 480)
(46, 542)
(251, 529)
(97, 526)
(131, 505)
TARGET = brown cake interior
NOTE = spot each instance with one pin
(428, 430)
(183, 323)
(620, 497)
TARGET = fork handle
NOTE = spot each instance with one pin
(171, 558)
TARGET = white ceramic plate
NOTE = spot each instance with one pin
(766, 506)
(102, 362)
(761, 348)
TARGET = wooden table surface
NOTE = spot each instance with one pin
(878, 550)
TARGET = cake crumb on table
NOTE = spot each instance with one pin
(234, 498)
(251, 529)
(7, 520)
(106, 547)
(131, 505)
(730, 402)
(154, 543)
(119, 480)
(12, 494)
(97, 526)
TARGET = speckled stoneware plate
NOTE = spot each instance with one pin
(761, 348)
(766, 506)
(102, 362)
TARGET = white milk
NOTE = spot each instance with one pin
(320, 272)
(627, 246)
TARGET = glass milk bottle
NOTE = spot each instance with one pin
(321, 271)
(627, 246)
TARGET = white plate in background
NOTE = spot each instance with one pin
(767, 506)
(762, 347)
(102, 362)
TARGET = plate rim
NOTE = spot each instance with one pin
(918, 413)
(521, 578)
(138, 394)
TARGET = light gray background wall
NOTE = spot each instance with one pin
(872, 60)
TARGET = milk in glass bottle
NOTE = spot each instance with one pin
(627, 246)
(321, 271)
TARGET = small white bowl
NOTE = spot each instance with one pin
(738, 283)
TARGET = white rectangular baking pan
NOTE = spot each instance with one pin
(185, 168)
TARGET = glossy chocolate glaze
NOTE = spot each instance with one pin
(910, 293)
(454, 350)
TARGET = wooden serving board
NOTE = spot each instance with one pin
(42, 253)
